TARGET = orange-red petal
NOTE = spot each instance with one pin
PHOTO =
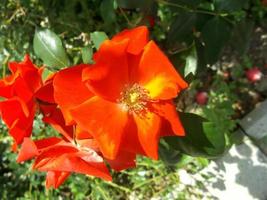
(124, 160)
(138, 38)
(69, 90)
(157, 74)
(148, 127)
(28, 150)
(108, 76)
(105, 121)
(55, 178)
(18, 117)
(76, 162)
(167, 110)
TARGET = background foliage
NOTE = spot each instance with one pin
(209, 41)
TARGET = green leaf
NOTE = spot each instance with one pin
(168, 155)
(191, 63)
(229, 5)
(215, 34)
(133, 4)
(182, 28)
(46, 73)
(201, 140)
(87, 55)
(242, 36)
(107, 11)
(98, 38)
(48, 46)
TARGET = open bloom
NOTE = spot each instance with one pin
(18, 90)
(125, 98)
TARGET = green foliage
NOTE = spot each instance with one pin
(194, 33)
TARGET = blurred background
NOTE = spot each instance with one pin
(219, 46)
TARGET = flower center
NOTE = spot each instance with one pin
(134, 99)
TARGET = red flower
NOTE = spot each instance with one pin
(18, 108)
(129, 100)
(60, 157)
(70, 92)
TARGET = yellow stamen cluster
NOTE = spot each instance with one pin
(134, 99)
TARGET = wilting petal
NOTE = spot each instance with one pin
(55, 178)
(157, 74)
(69, 89)
(148, 126)
(138, 38)
(108, 76)
(167, 110)
(105, 121)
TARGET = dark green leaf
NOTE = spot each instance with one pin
(241, 36)
(168, 155)
(215, 34)
(107, 11)
(229, 5)
(201, 138)
(133, 4)
(97, 38)
(87, 55)
(48, 46)
(182, 28)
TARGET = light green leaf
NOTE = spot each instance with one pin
(87, 55)
(98, 38)
(48, 47)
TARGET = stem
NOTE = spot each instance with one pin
(223, 15)
(118, 187)
(125, 16)
(4, 66)
(103, 193)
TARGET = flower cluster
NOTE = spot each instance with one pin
(106, 113)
